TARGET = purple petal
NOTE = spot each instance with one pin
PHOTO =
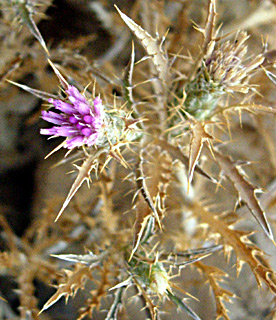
(80, 125)
(86, 131)
(88, 119)
(98, 106)
(63, 106)
(52, 117)
(73, 120)
(66, 131)
(49, 132)
(83, 108)
(74, 94)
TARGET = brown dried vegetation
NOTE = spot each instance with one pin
(172, 202)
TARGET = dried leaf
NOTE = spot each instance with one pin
(88, 259)
(75, 280)
(40, 94)
(192, 252)
(149, 302)
(245, 250)
(28, 300)
(60, 77)
(251, 107)
(6, 259)
(98, 294)
(271, 76)
(214, 276)
(196, 144)
(176, 153)
(210, 24)
(246, 191)
(84, 175)
(153, 176)
(127, 81)
(151, 45)
(26, 14)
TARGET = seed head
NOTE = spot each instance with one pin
(223, 70)
(226, 64)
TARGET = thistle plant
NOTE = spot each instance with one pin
(162, 142)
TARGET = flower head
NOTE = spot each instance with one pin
(226, 64)
(223, 70)
(79, 121)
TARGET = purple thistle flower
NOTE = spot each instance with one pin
(79, 121)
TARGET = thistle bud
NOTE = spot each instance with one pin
(223, 70)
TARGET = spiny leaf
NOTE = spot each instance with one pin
(121, 313)
(75, 280)
(200, 254)
(60, 77)
(122, 284)
(176, 153)
(128, 78)
(143, 186)
(245, 189)
(245, 250)
(153, 175)
(271, 76)
(143, 214)
(26, 14)
(193, 252)
(116, 305)
(87, 259)
(9, 68)
(214, 276)
(154, 172)
(210, 24)
(151, 45)
(191, 261)
(182, 305)
(196, 144)
(250, 107)
(149, 302)
(83, 175)
(40, 94)
(99, 293)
